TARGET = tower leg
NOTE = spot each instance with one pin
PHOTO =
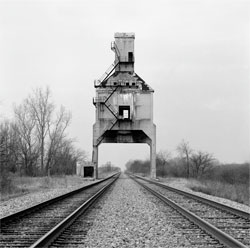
(95, 161)
(153, 155)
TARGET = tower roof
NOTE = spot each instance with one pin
(124, 35)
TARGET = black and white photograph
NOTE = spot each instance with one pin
(125, 123)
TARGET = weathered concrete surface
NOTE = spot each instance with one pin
(124, 104)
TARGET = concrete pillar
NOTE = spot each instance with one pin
(95, 161)
(153, 155)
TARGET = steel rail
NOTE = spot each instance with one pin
(50, 236)
(38, 206)
(204, 225)
(215, 204)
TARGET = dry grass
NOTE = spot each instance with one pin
(24, 185)
(235, 192)
(16, 186)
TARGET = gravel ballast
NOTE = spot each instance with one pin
(127, 216)
(21, 202)
(130, 217)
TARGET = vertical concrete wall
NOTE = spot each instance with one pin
(95, 159)
(124, 90)
(125, 44)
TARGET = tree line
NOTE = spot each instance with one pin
(192, 164)
(188, 163)
(108, 167)
(35, 142)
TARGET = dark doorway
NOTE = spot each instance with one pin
(130, 57)
(88, 171)
(124, 112)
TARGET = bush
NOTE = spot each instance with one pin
(229, 181)
(138, 166)
(6, 182)
(230, 173)
(234, 192)
(171, 168)
(107, 169)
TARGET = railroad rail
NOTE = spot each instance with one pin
(39, 225)
(229, 226)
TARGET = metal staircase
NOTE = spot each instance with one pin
(98, 82)
(109, 106)
(115, 49)
(105, 100)
(112, 109)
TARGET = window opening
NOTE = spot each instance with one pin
(124, 112)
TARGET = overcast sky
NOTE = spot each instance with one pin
(193, 53)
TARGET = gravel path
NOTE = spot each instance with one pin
(130, 218)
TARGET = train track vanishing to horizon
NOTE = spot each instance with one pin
(64, 221)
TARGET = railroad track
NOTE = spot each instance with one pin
(39, 225)
(221, 225)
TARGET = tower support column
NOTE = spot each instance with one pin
(95, 161)
(153, 154)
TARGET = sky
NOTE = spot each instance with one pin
(194, 53)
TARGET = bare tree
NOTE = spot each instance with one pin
(164, 155)
(56, 136)
(4, 144)
(201, 163)
(8, 147)
(25, 126)
(42, 109)
(38, 136)
(67, 157)
(162, 160)
(185, 152)
(81, 155)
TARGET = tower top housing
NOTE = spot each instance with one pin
(121, 72)
(125, 35)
